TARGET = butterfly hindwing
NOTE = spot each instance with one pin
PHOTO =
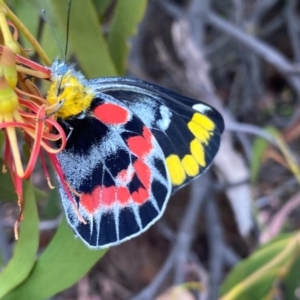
(116, 173)
(188, 131)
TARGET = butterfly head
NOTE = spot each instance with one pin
(69, 92)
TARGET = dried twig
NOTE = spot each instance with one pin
(180, 250)
(267, 52)
(292, 19)
(199, 190)
(251, 129)
(198, 84)
(216, 245)
(275, 225)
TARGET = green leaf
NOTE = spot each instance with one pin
(63, 263)
(128, 14)
(292, 281)
(101, 6)
(256, 264)
(1, 261)
(259, 147)
(86, 37)
(21, 9)
(53, 45)
(26, 247)
(52, 207)
(7, 191)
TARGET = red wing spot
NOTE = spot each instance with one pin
(143, 172)
(111, 114)
(125, 176)
(91, 202)
(140, 196)
(139, 146)
(108, 196)
(123, 195)
(147, 134)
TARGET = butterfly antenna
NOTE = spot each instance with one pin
(45, 18)
(68, 27)
(67, 41)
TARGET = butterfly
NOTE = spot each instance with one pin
(130, 146)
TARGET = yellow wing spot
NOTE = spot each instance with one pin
(190, 165)
(198, 152)
(204, 121)
(77, 97)
(199, 132)
(176, 170)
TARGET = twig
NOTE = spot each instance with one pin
(43, 225)
(196, 14)
(276, 193)
(183, 241)
(216, 245)
(270, 54)
(197, 82)
(273, 25)
(199, 190)
(291, 20)
(152, 288)
(203, 276)
(239, 12)
(170, 8)
(279, 218)
(261, 8)
(230, 257)
(251, 129)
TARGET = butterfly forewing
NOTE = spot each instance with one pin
(187, 130)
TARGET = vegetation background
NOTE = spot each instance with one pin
(232, 234)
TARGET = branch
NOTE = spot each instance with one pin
(271, 55)
(216, 245)
(181, 248)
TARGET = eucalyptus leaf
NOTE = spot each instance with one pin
(64, 262)
(7, 191)
(128, 14)
(257, 264)
(101, 6)
(259, 147)
(292, 280)
(21, 9)
(86, 37)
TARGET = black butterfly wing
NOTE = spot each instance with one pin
(115, 172)
(188, 131)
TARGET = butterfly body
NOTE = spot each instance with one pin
(131, 145)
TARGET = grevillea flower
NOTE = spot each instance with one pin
(25, 116)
